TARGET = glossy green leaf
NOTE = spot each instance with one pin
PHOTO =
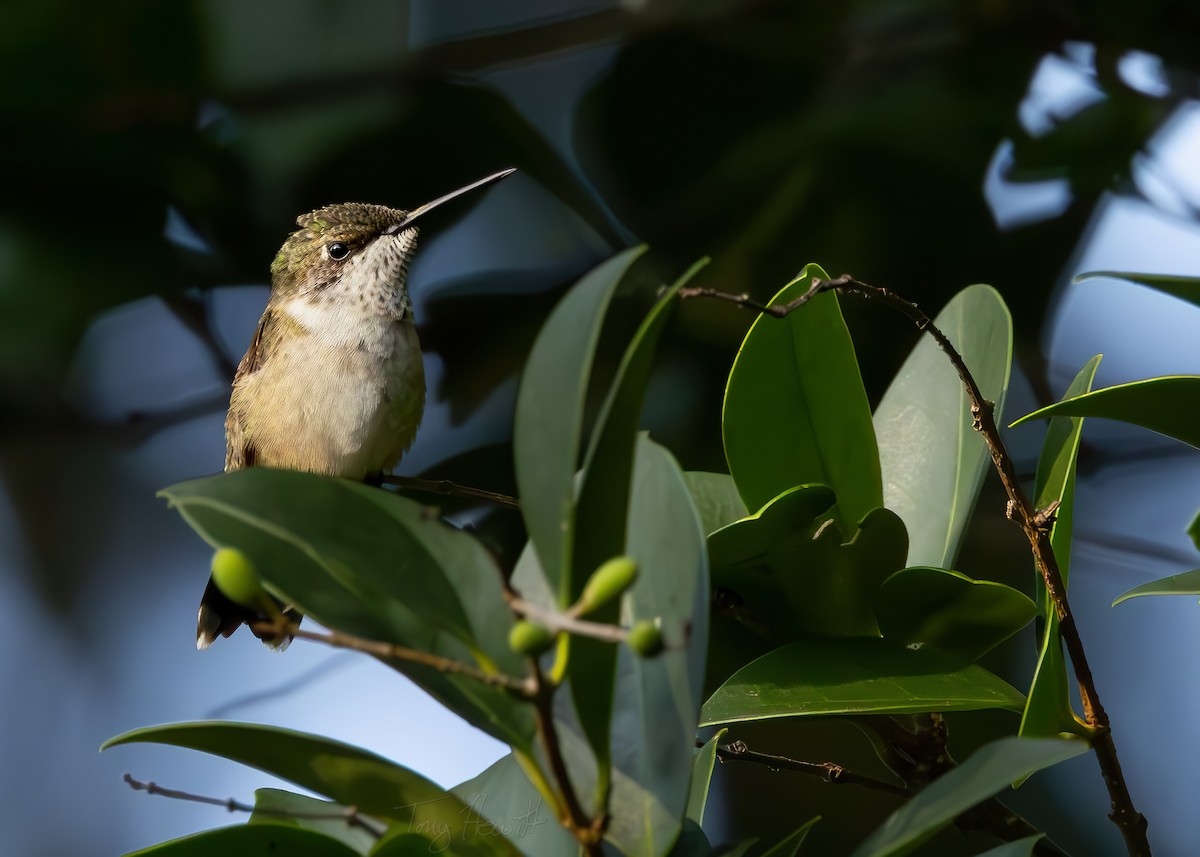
(933, 461)
(1184, 288)
(276, 806)
(854, 676)
(715, 497)
(691, 842)
(548, 427)
(600, 515)
(1048, 710)
(368, 562)
(988, 770)
(251, 840)
(795, 409)
(790, 844)
(946, 609)
(341, 772)
(1184, 583)
(1166, 405)
(1017, 848)
(514, 809)
(702, 770)
(794, 573)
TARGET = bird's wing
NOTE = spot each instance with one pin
(239, 452)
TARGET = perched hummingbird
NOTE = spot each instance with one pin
(333, 381)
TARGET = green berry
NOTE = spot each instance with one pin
(607, 582)
(645, 638)
(528, 638)
(235, 576)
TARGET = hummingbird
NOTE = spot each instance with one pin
(333, 380)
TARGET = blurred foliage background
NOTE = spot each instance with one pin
(154, 155)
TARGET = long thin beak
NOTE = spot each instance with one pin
(430, 206)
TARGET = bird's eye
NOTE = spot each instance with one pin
(337, 250)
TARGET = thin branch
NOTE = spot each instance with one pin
(349, 814)
(522, 688)
(830, 772)
(589, 832)
(556, 622)
(1131, 823)
(445, 487)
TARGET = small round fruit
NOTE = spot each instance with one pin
(235, 576)
(645, 638)
(607, 582)
(528, 638)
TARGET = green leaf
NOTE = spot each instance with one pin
(702, 769)
(854, 676)
(795, 409)
(600, 525)
(276, 806)
(343, 773)
(250, 840)
(370, 563)
(514, 809)
(715, 497)
(790, 844)
(1048, 710)
(951, 611)
(1184, 288)
(1165, 405)
(410, 845)
(988, 770)
(795, 574)
(1017, 848)
(1185, 583)
(933, 461)
(548, 428)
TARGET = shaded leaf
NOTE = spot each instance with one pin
(343, 773)
(1017, 848)
(988, 770)
(370, 563)
(795, 409)
(410, 845)
(790, 844)
(276, 806)
(514, 809)
(715, 497)
(548, 427)
(854, 676)
(702, 769)
(251, 840)
(795, 574)
(933, 461)
(1165, 405)
(1048, 710)
(1184, 288)
(949, 610)
(1185, 583)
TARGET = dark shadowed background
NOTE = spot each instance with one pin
(153, 156)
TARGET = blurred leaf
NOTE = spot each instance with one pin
(503, 795)
(251, 840)
(854, 676)
(276, 806)
(600, 514)
(1048, 710)
(549, 420)
(341, 772)
(795, 409)
(988, 770)
(691, 842)
(795, 574)
(702, 769)
(1165, 405)
(716, 498)
(368, 562)
(1017, 848)
(790, 844)
(932, 459)
(949, 610)
(409, 845)
(1184, 288)
(1185, 583)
